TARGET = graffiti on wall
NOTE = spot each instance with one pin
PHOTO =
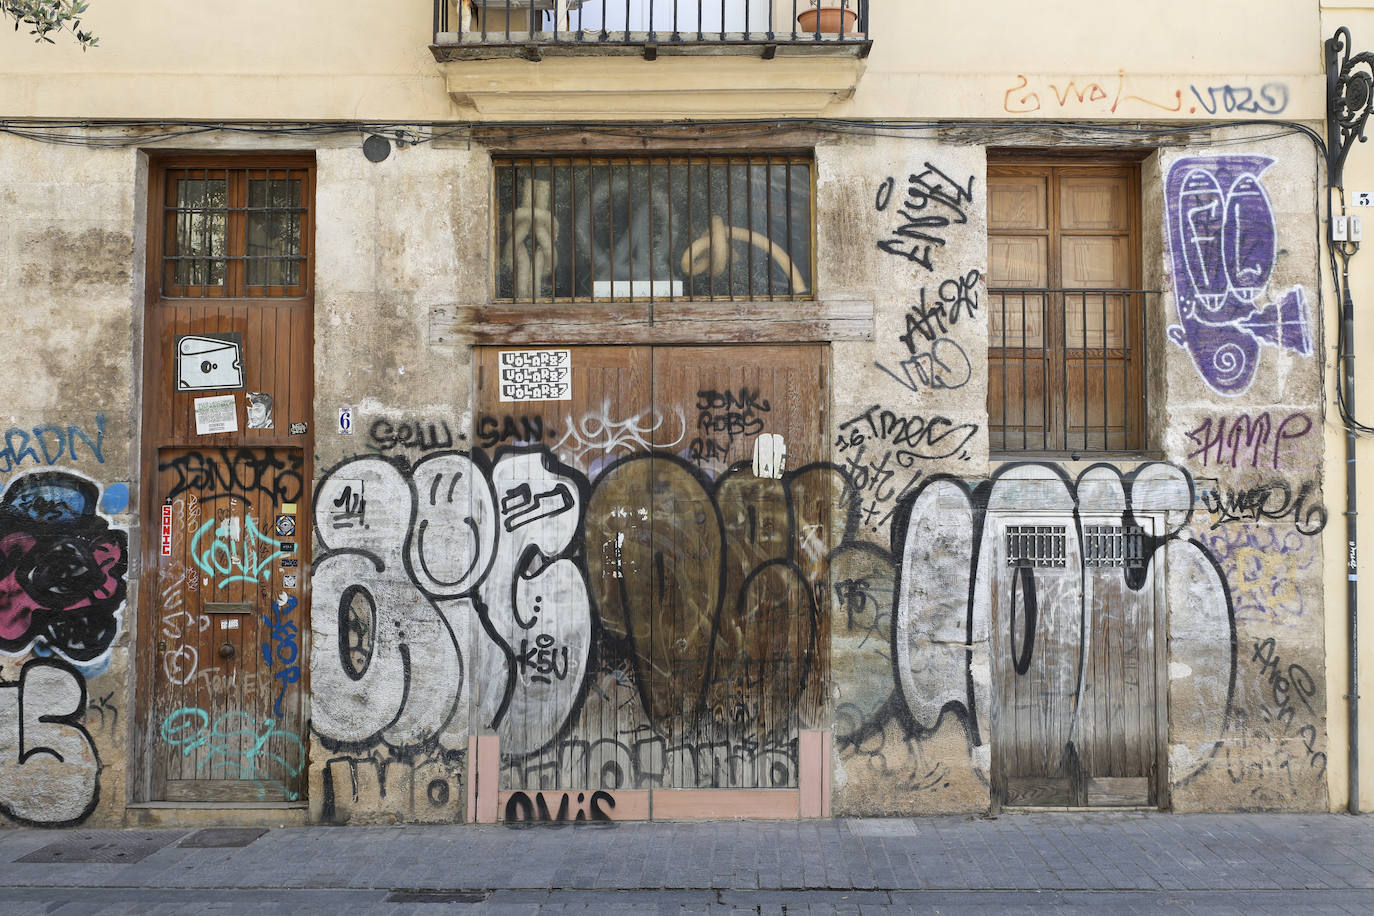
(932, 201)
(945, 541)
(63, 582)
(1223, 245)
(1109, 95)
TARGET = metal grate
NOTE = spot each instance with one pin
(1064, 369)
(655, 227)
(1114, 546)
(1042, 546)
(102, 846)
(542, 25)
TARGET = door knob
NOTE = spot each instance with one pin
(226, 650)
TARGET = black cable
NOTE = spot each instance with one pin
(47, 131)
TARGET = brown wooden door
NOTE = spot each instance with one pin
(1073, 663)
(710, 613)
(229, 535)
(226, 465)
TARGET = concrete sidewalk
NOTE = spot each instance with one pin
(1051, 862)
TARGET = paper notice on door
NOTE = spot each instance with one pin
(216, 415)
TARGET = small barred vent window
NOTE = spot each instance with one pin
(1036, 545)
(1114, 546)
(657, 227)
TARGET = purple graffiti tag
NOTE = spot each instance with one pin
(1223, 242)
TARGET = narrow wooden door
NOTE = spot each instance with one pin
(704, 566)
(226, 468)
(1073, 663)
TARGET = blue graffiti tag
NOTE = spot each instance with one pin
(228, 550)
(283, 635)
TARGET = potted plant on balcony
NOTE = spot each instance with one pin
(834, 19)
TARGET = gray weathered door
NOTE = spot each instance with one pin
(1074, 699)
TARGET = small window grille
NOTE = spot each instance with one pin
(655, 227)
(1114, 545)
(1042, 546)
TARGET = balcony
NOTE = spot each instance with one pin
(608, 59)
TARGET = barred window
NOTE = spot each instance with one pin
(660, 227)
(235, 232)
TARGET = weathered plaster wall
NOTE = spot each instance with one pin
(1244, 418)
(397, 240)
(903, 223)
(70, 274)
(402, 664)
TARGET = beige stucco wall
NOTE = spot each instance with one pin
(71, 224)
(934, 59)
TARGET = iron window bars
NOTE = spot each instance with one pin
(1042, 546)
(610, 22)
(240, 232)
(1065, 369)
(653, 228)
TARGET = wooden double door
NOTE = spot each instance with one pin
(706, 525)
(1075, 707)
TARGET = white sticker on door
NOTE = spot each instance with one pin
(535, 375)
(770, 455)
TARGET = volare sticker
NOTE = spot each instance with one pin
(535, 375)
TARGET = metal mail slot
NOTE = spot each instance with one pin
(228, 607)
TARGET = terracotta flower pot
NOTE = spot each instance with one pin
(830, 18)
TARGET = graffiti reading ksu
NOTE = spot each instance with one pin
(1223, 243)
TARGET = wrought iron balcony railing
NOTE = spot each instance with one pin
(1066, 369)
(468, 29)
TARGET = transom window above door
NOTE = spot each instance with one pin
(240, 232)
(653, 227)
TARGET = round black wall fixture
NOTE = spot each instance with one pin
(376, 148)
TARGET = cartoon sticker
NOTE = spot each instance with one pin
(208, 361)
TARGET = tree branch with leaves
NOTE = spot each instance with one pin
(46, 16)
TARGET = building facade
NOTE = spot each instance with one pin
(484, 412)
